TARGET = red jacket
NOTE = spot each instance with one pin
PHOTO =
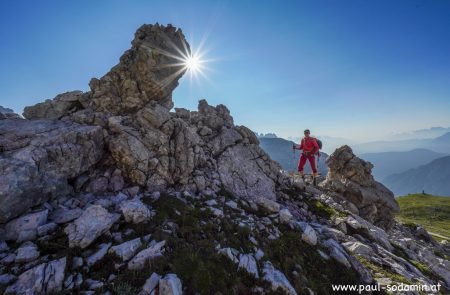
(309, 145)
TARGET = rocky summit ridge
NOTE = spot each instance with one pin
(110, 192)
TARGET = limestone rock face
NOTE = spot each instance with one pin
(38, 157)
(351, 177)
(159, 149)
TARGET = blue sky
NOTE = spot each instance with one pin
(353, 69)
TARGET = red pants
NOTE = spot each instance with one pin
(302, 162)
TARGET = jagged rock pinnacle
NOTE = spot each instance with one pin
(351, 177)
(148, 72)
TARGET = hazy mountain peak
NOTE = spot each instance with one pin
(432, 178)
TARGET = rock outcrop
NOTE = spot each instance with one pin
(351, 178)
(126, 120)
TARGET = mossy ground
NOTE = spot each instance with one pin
(420, 266)
(192, 232)
(192, 255)
(322, 210)
(291, 255)
(190, 250)
(380, 271)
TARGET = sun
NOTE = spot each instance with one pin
(187, 59)
(193, 63)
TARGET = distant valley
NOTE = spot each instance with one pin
(388, 163)
(432, 178)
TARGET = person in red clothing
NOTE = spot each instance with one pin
(310, 148)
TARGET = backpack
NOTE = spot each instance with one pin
(319, 143)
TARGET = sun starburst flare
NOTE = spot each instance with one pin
(189, 60)
(195, 65)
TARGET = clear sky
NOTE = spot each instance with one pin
(353, 69)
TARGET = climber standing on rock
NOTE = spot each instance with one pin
(310, 148)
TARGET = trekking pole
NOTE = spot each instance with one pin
(317, 162)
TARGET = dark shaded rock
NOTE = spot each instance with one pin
(149, 71)
(27, 223)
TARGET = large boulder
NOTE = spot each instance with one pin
(95, 221)
(155, 250)
(38, 157)
(127, 250)
(351, 178)
(46, 278)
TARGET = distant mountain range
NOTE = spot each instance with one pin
(388, 163)
(433, 178)
(432, 132)
(266, 135)
(436, 139)
(439, 144)
(281, 151)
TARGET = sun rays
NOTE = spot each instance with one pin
(186, 59)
